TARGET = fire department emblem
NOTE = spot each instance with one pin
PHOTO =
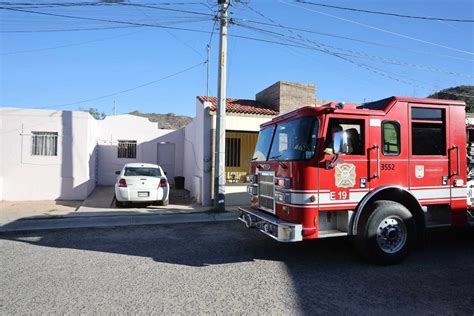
(345, 175)
(420, 172)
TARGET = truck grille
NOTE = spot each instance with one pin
(266, 190)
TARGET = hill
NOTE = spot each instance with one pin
(464, 93)
(166, 121)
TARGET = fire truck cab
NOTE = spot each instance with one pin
(381, 172)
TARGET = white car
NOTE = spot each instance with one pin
(141, 183)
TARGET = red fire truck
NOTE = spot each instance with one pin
(381, 172)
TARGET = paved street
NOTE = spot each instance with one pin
(222, 267)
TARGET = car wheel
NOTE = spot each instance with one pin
(386, 233)
(119, 204)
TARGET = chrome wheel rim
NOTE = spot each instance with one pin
(391, 234)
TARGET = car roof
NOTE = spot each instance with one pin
(143, 165)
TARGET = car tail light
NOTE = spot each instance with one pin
(122, 183)
(163, 182)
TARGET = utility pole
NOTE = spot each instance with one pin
(219, 183)
(115, 108)
(207, 71)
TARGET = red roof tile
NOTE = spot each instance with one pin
(241, 106)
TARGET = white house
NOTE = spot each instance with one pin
(48, 154)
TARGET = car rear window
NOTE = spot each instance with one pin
(142, 172)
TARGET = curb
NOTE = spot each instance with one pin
(26, 225)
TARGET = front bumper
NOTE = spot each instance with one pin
(270, 225)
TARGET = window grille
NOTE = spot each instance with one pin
(44, 144)
(127, 149)
(232, 152)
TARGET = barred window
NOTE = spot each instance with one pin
(232, 152)
(44, 144)
(127, 149)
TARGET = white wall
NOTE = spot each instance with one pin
(129, 127)
(85, 143)
(197, 147)
(246, 123)
(197, 155)
(87, 152)
(65, 176)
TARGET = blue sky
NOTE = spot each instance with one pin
(50, 69)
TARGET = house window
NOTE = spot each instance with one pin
(232, 152)
(127, 149)
(428, 130)
(391, 138)
(44, 144)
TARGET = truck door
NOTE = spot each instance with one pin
(429, 167)
(388, 151)
(344, 184)
(457, 152)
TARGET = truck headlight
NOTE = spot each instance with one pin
(283, 183)
(282, 197)
(251, 178)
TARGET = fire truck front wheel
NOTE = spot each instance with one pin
(386, 232)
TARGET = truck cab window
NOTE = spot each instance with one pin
(295, 139)
(355, 135)
(428, 131)
(391, 138)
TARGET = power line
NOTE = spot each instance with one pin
(122, 91)
(378, 44)
(174, 36)
(86, 42)
(163, 9)
(380, 29)
(335, 54)
(386, 13)
(71, 29)
(359, 54)
(102, 20)
(344, 57)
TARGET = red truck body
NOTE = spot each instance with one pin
(410, 151)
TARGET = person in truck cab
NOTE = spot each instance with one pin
(329, 142)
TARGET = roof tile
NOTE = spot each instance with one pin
(240, 106)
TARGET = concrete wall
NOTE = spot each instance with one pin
(86, 156)
(130, 127)
(198, 156)
(285, 96)
(65, 176)
(198, 149)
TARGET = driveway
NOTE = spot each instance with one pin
(224, 268)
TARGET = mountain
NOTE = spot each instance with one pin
(166, 121)
(464, 93)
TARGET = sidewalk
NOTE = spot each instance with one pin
(45, 215)
(107, 219)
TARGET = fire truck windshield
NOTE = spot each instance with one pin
(292, 140)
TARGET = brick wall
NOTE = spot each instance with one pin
(285, 96)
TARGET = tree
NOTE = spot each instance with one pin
(95, 113)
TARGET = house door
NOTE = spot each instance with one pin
(166, 159)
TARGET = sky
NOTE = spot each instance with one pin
(52, 62)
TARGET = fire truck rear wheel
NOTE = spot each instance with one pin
(386, 233)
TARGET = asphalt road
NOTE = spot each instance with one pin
(224, 268)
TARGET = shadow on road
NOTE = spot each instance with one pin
(325, 273)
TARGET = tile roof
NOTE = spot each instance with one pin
(241, 106)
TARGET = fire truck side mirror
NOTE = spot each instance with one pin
(340, 144)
